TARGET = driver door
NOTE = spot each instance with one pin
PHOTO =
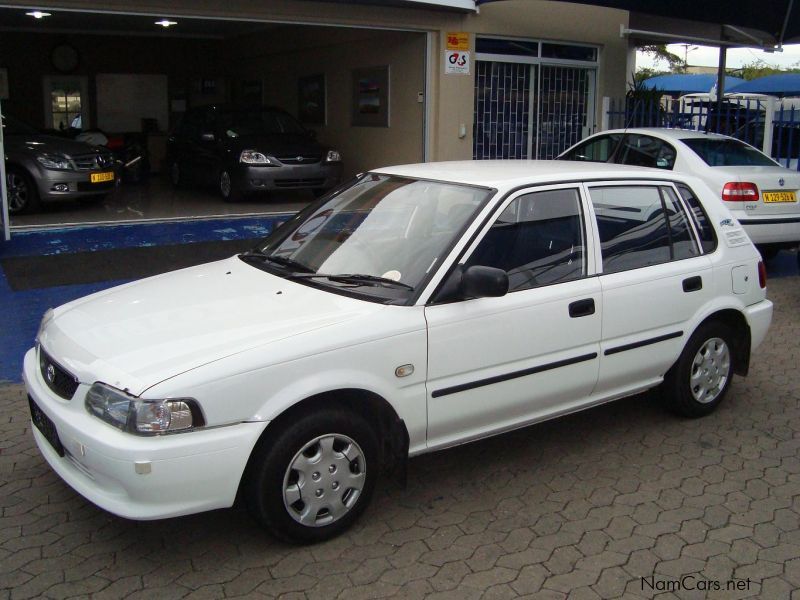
(499, 363)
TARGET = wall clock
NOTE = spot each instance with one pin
(65, 58)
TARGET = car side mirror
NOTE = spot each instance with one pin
(483, 282)
(208, 137)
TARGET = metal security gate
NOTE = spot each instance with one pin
(528, 102)
(565, 95)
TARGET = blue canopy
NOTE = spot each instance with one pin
(690, 83)
(781, 84)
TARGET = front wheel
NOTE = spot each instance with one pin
(698, 382)
(227, 187)
(314, 478)
(23, 197)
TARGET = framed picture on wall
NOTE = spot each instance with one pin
(311, 100)
(371, 97)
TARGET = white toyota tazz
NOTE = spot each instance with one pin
(417, 308)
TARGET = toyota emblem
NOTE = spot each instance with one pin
(51, 373)
(781, 182)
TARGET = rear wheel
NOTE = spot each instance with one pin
(313, 478)
(698, 382)
(23, 197)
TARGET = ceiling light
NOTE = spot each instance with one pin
(166, 23)
(37, 14)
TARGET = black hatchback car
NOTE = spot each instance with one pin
(248, 150)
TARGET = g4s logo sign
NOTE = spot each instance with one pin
(457, 61)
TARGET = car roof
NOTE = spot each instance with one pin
(505, 174)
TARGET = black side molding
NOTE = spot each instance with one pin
(524, 373)
(648, 342)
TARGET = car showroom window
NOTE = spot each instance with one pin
(646, 151)
(538, 239)
(596, 150)
(708, 240)
(634, 229)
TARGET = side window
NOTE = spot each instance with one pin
(708, 241)
(684, 244)
(632, 225)
(596, 150)
(538, 240)
(646, 151)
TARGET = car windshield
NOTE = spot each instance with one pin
(12, 126)
(259, 122)
(384, 235)
(727, 153)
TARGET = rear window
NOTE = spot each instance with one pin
(727, 153)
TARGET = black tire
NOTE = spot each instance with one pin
(227, 187)
(698, 382)
(271, 482)
(23, 195)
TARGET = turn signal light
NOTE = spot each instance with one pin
(740, 191)
(762, 274)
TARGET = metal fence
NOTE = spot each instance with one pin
(770, 124)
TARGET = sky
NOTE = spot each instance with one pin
(737, 57)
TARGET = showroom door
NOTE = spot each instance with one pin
(530, 110)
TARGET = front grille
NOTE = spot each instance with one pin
(300, 160)
(58, 379)
(92, 162)
(290, 183)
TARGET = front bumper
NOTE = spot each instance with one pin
(140, 477)
(315, 176)
(67, 185)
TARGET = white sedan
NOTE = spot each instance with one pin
(759, 192)
(418, 308)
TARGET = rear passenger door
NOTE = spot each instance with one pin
(654, 279)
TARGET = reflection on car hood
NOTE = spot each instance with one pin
(39, 142)
(277, 145)
(142, 333)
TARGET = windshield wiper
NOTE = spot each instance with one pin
(279, 260)
(356, 278)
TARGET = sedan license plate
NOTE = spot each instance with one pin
(46, 426)
(101, 177)
(780, 197)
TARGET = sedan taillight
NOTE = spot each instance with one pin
(762, 274)
(740, 191)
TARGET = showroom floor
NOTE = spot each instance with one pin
(156, 199)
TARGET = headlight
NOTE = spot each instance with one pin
(254, 157)
(46, 318)
(55, 161)
(143, 417)
(333, 156)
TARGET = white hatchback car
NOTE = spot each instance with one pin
(417, 308)
(759, 192)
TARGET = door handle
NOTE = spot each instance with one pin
(693, 284)
(581, 308)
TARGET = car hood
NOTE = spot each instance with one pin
(142, 333)
(39, 142)
(277, 145)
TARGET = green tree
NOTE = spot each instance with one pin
(760, 68)
(659, 53)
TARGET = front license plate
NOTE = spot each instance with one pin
(780, 197)
(101, 177)
(46, 426)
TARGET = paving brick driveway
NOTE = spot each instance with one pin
(583, 507)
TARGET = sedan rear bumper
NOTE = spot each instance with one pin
(772, 230)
